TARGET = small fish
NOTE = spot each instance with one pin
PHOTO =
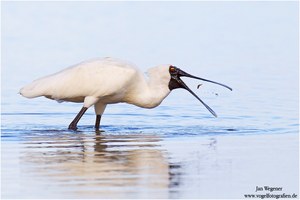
(199, 86)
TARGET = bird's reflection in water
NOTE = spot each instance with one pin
(101, 165)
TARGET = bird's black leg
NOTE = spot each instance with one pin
(73, 124)
(97, 124)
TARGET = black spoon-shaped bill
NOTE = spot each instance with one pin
(176, 82)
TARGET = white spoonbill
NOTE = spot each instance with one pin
(107, 80)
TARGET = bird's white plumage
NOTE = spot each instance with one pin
(103, 81)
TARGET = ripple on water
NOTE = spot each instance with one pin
(129, 156)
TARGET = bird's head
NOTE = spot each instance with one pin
(176, 82)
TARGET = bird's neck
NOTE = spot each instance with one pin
(150, 93)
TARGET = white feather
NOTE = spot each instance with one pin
(103, 81)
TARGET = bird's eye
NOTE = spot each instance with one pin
(172, 69)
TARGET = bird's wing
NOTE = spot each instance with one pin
(96, 77)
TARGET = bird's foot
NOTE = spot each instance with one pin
(97, 130)
(72, 127)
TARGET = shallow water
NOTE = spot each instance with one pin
(159, 154)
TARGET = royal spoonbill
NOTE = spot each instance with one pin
(108, 80)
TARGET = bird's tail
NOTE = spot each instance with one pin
(32, 90)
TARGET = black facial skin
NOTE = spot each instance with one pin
(176, 82)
